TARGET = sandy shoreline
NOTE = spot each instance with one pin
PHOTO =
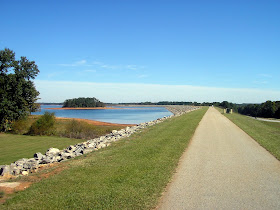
(81, 108)
(95, 122)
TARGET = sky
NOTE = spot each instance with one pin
(148, 50)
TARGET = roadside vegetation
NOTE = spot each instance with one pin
(130, 174)
(267, 134)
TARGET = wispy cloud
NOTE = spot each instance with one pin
(265, 75)
(260, 82)
(118, 66)
(77, 63)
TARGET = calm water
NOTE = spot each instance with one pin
(126, 116)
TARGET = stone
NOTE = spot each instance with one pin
(38, 156)
(52, 152)
(24, 173)
(86, 151)
(5, 170)
(79, 150)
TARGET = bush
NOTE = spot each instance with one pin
(20, 126)
(44, 125)
(81, 130)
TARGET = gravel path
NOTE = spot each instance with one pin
(223, 168)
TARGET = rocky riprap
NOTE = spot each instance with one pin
(25, 166)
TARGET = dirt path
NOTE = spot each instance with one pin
(223, 168)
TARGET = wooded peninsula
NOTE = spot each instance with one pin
(83, 102)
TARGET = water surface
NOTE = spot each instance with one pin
(129, 115)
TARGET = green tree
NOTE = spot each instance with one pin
(44, 125)
(268, 109)
(17, 90)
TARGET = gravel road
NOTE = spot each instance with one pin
(223, 168)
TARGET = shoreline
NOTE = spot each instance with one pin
(95, 122)
(81, 108)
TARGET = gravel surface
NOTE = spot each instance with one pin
(223, 168)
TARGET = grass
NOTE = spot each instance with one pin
(267, 134)
(61, 128)
(14, 147)
(130, 174)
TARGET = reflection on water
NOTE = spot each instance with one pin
(132, 115)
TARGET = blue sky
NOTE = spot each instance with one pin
(148, 50)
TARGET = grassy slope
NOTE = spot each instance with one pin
(267, 134)
(130, 174)
(14, 147)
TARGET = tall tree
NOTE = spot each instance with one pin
(17, 90)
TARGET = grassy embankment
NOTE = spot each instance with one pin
(14, 147)
(267, 134)
(130, 174)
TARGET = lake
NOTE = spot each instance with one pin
(133, 115)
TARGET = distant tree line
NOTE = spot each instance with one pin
(189, 103)
(269, 109)
(83, 102)
(163, 103)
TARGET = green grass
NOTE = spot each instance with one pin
(267, 134)
(14, 147)
(130, 174)
(81, 130)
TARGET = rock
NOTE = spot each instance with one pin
(5, 170)
(24, 173)
(15, 170)
(67, 155)
(46, 160)
(52, 152)
(86, 151)
(99, 146)
(38, 156)
(71, 148)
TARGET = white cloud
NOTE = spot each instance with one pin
(109, 66)
(58, 91)
(77, 63)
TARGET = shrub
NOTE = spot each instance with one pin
(44, 125)
(81, 130)
(2, 194)
(20, 126)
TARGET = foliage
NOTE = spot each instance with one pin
(269, 109)
(80, 130)
(17, 90)
(83, 102)
(20, 126)
(44, 125)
